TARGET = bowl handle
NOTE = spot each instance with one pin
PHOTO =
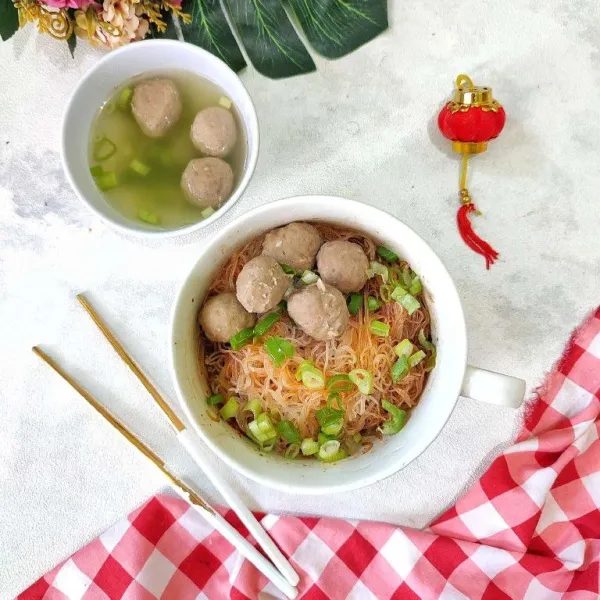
(491, 387)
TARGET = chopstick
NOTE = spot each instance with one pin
(197, 452)
(212, 516)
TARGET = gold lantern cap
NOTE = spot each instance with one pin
(468, 94)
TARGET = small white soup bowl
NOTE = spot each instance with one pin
(451, 376)
(115, 68)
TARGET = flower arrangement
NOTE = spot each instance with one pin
(266, 29)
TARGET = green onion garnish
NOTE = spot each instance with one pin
(416, 358)
(309, 447)
(279, 350)
(373, 304)
(399, 369)
(241, 338)
(288, 431)
(406, 276)
(216, 399)
(331, 452)
(281, 306)
(430, 347)
(207, 212)
(139, 167)
(287, 269)
(213, 413)
(339, 383)
(385, 291)
(309, 277)
(379, 328)
(354, 303)
(387, 254)
(410, 303)
(330, 420)
(362, 379)
(103, 149)
(148, 217)
(125, 98)
(415, 286)
(107, 181)
(292, 451)
(396, 421)
(230, 409)
(404, 348)
(262, 428)
(225, 102)
(96, 170)
(398, 293)
(266, 323)
(310, 376)
(376, 268)
(322, 438)
(254, 406)
(334, 397)
(357, 437)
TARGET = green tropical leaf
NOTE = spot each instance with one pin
(270, 38)
(9, 19)
(337, 27)
(209, 30)
(72, 43)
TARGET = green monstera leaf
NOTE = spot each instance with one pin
(267, 30)
(9, 19)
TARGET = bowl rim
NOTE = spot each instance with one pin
(251, 160)
(357, 482)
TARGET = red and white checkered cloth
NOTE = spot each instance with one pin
(528, 530)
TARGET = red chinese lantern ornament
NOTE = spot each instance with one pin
(470, 120)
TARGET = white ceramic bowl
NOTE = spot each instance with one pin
(450, 377)
(110, 72)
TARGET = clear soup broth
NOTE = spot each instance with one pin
(141, 176)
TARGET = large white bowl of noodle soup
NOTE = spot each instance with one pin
(450, 378)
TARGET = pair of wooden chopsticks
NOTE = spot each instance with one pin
(282, 574)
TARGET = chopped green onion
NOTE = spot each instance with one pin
(385, 291)
(339, 383)
(430, 347)
(398, 293)
(416, 358)
(387, 254)
(311, 377)
(396, 421)
(292, 451)
(335, 397)
(354, 303)
(410, 303)
(103, 149)
(139, 167)
(96, 170)
(213, 413)
(148, 217)
(415, 286)
(331, 452)
(288, 431)
(241, 338)
(254, 406)
(268, 447)
(309, 447)
(230, 409)
(373, 304)
(287, 269)
(357, 437)
(322, 438)
(107, 181)
(207, 212)
(330, 420)
(406, 276)
(376, 268)
(216, 399)
(399, 369)
(309, 277)
(281, 306)
(303, 365)
(225, 102)
(266, 323)
(125, 98)
(263, 430)
(379, 328)
(404, 348)
(362, 379)
(279, 350)
(395, 275)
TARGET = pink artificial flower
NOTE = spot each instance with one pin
(67, 3)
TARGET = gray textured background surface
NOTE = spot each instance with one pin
(362, 127)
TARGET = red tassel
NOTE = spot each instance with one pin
(471, 238)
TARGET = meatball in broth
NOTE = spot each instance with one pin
(320, 311)
(261, 284)
(222, 316)
(207, 181)
(295, 245)
(156, 106)
(214, 132)
(344, 265)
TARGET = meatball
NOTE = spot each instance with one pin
(295, 245)
(222, 316)
(343, 265)
(261, 284)
(319, 310)
(214, 132)
(207, 181)
(156, 106)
